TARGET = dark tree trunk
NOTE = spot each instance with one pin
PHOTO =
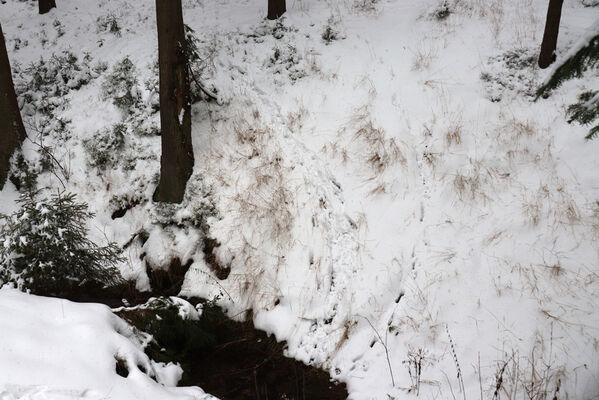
(46, 5)
(549, 44)
(276, 8)
(12, 132)
(176, 162)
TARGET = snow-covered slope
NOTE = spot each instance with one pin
(383, 187)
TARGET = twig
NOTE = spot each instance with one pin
(386, 350)
(416, 360)
(222, 346)
(480, 382)
(46, 151)
(449, 383)
(221, 286)
(457, 363)
(499, 380)
(131, 239)
(211, 95)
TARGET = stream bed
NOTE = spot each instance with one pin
(227, 358)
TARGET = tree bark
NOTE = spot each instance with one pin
(12, 131)
(276, 8)
(176, 162)
(46, 5)
(549, 44)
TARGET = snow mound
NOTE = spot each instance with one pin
(56, 349)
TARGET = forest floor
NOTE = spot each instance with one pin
(375, 182)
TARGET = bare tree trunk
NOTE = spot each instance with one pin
(46, 5)
(12, 131)
(176, 162)
(276, 8)
(549, 44)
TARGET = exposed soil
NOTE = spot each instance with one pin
(229, 359)
(168, 282)
(91, 292)
(221, 271)
(120, 213)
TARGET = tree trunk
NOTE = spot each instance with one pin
(176, 162)
(12, 131)
(276, 8)
(549, 44)
(46, 5)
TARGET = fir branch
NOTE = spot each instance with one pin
(585, 58)
(585, 111)
(44, 246)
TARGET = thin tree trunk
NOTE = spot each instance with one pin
(549, 44)
(46, 5)
(176, 162)
(276, 8)
(12, 131)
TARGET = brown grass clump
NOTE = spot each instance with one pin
(370, 145)
(453, 135)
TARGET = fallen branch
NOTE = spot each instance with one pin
(199, 85)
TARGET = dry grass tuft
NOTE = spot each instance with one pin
(416, 361)
(258, 199)
(296, 119)
(472, 182)
(594, 220)
(532, 211)
(368, 143)
(423, 57)
(556, 270)
(368, 7)
(533, 377)
(566, 211)
(516, 135)
(554, 202)
(453, 135)
(496, 16)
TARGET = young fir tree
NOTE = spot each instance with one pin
(44, 247)
(12, 131)
(276, 8)
(176, 162)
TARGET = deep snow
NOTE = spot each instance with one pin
(57, 349)
(364, 188)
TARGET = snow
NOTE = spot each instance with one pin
(363, 188)
(57, 349)
(584, 41)
(184, 308)
(9, 195)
